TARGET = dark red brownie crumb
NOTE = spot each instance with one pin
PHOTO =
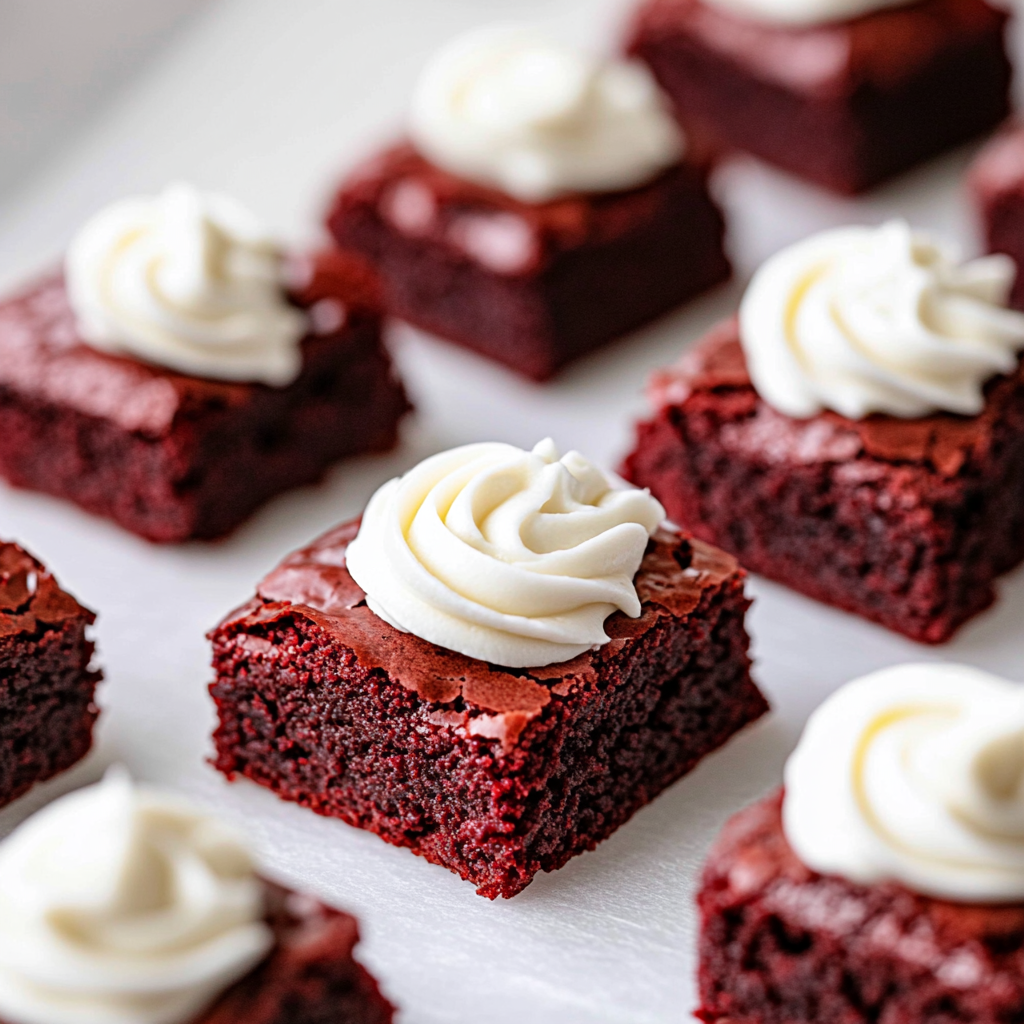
(46, 684)
(531, 286)
(310, 976)
(780, 944)
(905, 522)
(172, 457)
(997, 184)
(494, 773)
(846, 105)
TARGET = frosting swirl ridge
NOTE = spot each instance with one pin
(867, 320)
(123, 905)
(915, 774)
(509, 108)
(512, 557)
(189, 281)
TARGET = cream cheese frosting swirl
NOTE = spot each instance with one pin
(189, 281)
(866, 320)
(804, 13)
(915, 774)
(508, 108)
(512, 557)
(124, 905)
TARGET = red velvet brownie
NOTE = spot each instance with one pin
(172, 454)
(532, 286)
(846, 104)
(492, 772)
(781, 944)
(886, 883)
(46, 680)
(533, 223)
(997, 185)
(127, 903)
(907, 522)
(310, 977)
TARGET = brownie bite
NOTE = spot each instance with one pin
(47, 683)
(494, 772)
(997, 189)
(904, 520)
(530, 252)
(176, 448)
(845, 102)
(784, 943)
(127, 903)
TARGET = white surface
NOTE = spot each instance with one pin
(270, 101)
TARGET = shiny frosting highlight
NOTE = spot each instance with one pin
(865, 320)
(915, 774)
(508, 108)
(124, 905)
(512, 557)
(189, 281)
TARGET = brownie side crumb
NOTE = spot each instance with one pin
(46, 683)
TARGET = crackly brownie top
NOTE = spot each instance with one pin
(882, 48)
(502, 233)
(43, 357)
(714, 375)
(314, 582)
(30, 597)
(753, 862)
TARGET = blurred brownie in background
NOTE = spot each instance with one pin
(997, 187)
(534, 226)
(844, 101)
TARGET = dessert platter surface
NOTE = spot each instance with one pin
(268, 101)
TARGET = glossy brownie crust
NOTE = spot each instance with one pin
(172, 457)
(997, 186)
(532, 287)
(46, 685)
(494, 773)
(906, 522)
(846, 105)
(780, 944)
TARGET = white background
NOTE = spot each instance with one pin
(271, 101)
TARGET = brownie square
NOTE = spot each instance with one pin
(173, 457)
(46, 683)
(780, 944)
(905, 522)
(530, 286)
(494, 773)
(846, 105)
(997, 187)
(310, 976)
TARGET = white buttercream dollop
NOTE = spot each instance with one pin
(513, 557)
(804, 13)
(508, 108)
(866, 320)
(189, 281)
(915, 774)
(124, 905)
